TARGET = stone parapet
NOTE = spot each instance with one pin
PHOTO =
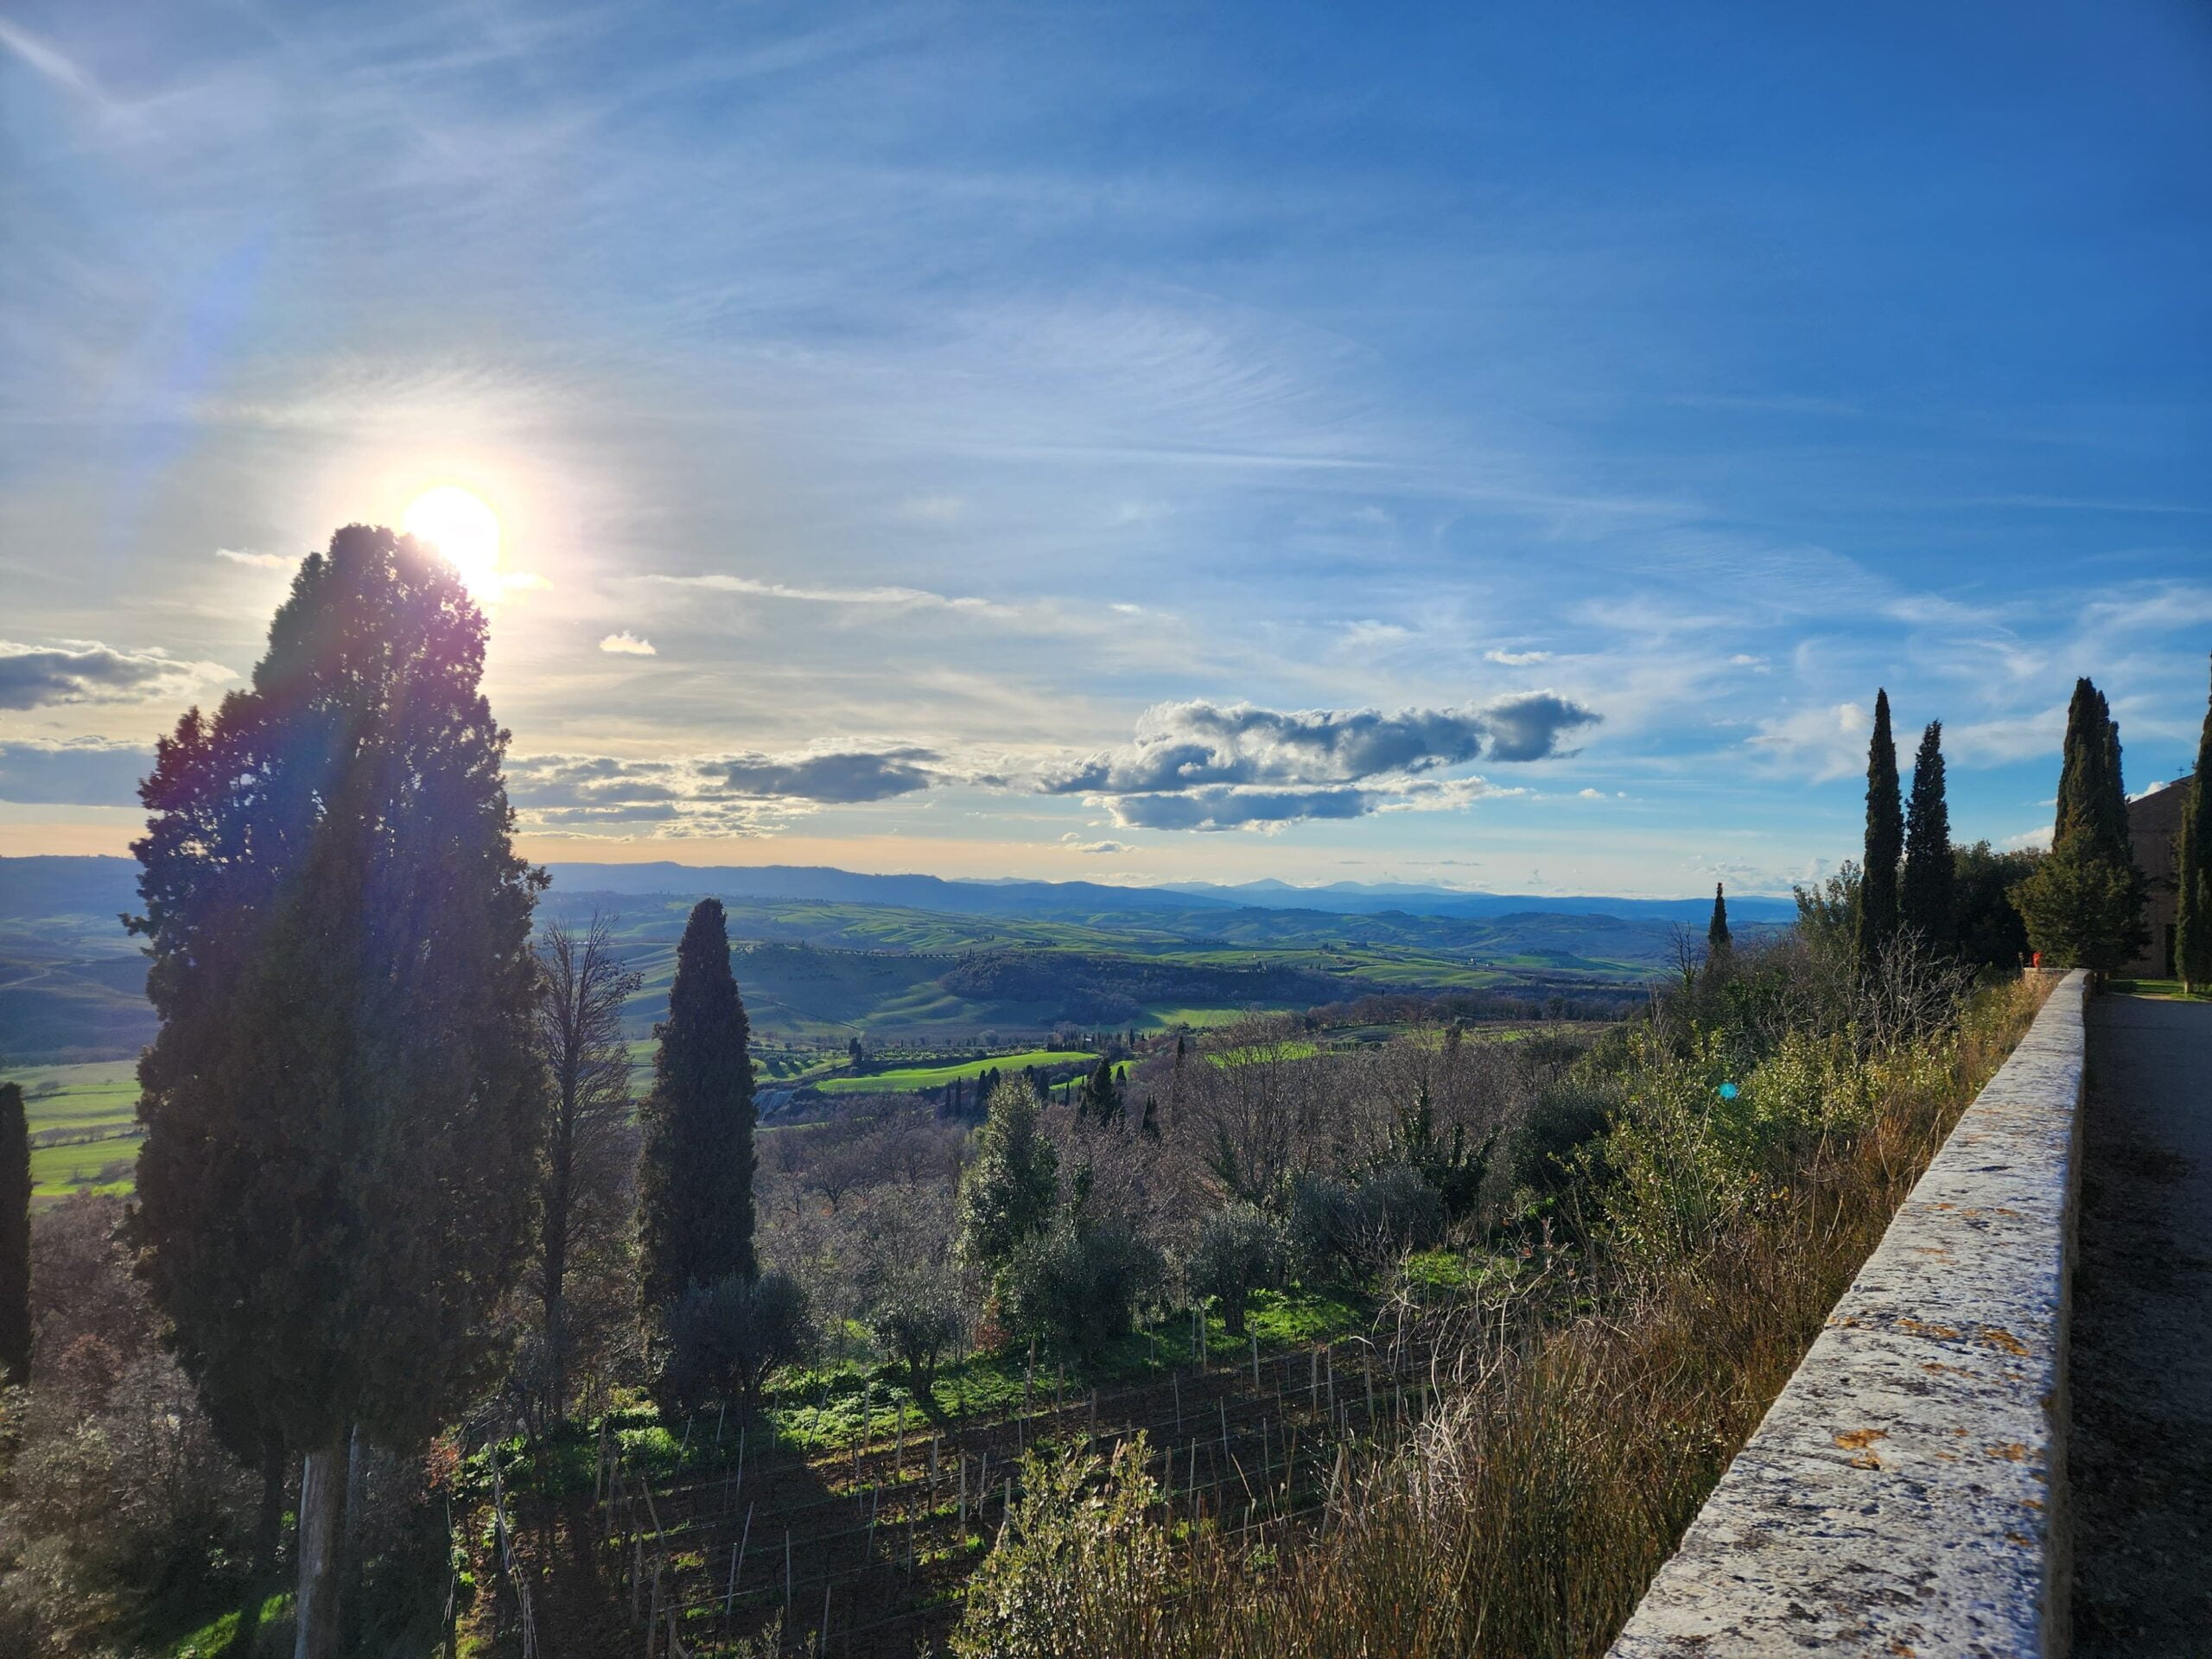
(1906, 1493)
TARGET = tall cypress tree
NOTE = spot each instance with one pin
(2083, 906)
(695, 1173)
(1925, 900)
(340, 1105)
(2193, 929)
(1878, 890)
(1718, 941)
(14, 1237)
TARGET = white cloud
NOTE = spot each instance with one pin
(1517, 658)
(84, 671)
(626, 644)
(1828, 743)
(1076, 843)
(1184, 745)
(258, 560)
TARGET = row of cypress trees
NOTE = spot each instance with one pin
(1908, 877)
(2083, 903)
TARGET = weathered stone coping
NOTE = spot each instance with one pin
(1906, 1493)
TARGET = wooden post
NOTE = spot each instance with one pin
(1255, 1359)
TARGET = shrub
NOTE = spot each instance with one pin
(918, 1316)
(1393, 1211)
(1318, 1227)
(726, 1338)
(1565, 1117)
(1336, 1230)
(1076, 1288)
(1080, 1568)
(1239, 1249)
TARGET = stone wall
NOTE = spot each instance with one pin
(1906, 1493)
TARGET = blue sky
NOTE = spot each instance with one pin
(1495, 446)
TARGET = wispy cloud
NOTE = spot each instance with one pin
(258, 560)
(626, 644)
(722, 583)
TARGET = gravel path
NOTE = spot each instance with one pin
(2141, 1381)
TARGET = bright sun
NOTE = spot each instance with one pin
(463, 529)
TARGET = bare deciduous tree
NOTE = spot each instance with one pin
(582, 985)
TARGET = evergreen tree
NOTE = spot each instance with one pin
(341, 1106)
(1927, 901)
(1007, 1193)
(1878, 886)
(1718, 941)
(694, 1171)
(1986, 926)
(14, 1237)
(1100, 1099)
(2083, 906)
(2193, 929)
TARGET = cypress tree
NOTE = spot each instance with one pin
(694, 1175)
(2193, 928)
(2083, 906)
(1878, 890)
(1926, 900)
(14, 1237)
(1717, 939)
(340, 1105)
(1100, 1099)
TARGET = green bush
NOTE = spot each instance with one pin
(1240, 1249)
(724, 1338)
(1075, 1289)
(1565, 1117)
(1081, 1567)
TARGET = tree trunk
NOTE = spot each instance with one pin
(269, 1525)
(557, 1271)
(322, 1513)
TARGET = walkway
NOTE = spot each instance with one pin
(2141, 1382)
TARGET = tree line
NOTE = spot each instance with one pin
(2080, 905)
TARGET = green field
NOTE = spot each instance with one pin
(97, 1101)
(908, 1078)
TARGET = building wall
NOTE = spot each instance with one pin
(2152, 824)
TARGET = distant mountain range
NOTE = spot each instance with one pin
(1019, 898)
(103, 886)
(830, 951)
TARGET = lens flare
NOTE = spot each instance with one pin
(462, 528)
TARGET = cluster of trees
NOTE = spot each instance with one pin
(1911, 880)
(377, 1116)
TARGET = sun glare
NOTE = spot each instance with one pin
(463, 529)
